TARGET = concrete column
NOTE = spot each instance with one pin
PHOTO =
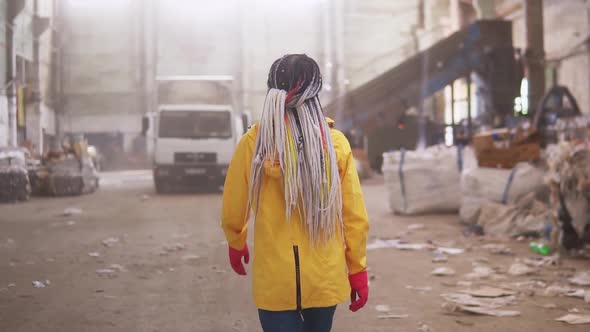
(535, 51)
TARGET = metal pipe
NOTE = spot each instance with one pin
(453, 110)
(469, 122)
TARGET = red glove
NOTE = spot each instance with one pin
(359, 283)
(235, 259)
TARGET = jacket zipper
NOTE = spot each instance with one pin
(298, 280)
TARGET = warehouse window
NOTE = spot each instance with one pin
(521, 103)
(456, 99)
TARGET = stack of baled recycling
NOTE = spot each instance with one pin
(14, 180)
(426, 181)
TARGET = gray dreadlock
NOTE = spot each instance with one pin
(294, 132)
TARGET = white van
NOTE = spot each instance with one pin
(193, 143)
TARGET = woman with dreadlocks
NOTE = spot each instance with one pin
(297, 176)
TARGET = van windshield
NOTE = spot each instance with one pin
(195, 124)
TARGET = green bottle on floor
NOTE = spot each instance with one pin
(539, 248)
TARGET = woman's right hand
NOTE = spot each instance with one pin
(235, 259)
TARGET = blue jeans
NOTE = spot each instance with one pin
(314, 320)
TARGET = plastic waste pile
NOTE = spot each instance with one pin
(569, 180)
(66, 173)
(14, 181)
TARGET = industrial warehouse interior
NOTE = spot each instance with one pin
(294, 165)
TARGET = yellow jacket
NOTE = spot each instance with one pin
(320, 279)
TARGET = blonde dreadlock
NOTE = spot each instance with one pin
(294, 131)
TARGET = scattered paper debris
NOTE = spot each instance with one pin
(574, 319)
(481, 260)
(72, 211)
(94, 254)
(396, 244)
(190, 257)
(443, 271)
(451, 307)
(459, 302)
(439, 258)
(530, 285)
(574, 310)
(449, 251)
(70, 223)
(144, 198)
(110, 273)
(12, 284)
(487, 291)
(559, 290)
(41, 284)
(412, 246)
(547, 306)
(420, 289)
(383, 308)
(469, 300)
(498, 249)
(579, 293)
(392, 316)
(480, 272)
(174, 247)
(424, 327)
(581, 279)
(540, 261)
(109, 242)
(414, 227)
(118, 267)
(464, 283)
(519, 269)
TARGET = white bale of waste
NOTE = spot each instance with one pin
(481, 185)
(14, 178)
(426, 181)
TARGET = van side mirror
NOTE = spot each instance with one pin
(145, 125)
(245, 123)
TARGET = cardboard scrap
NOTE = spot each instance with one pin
(392, 316)
(490, 292)
(449, 251)
(581, 279)
(458, 302)
(542, 261)
(520, 269)
(396, 244)
(480, 272)
(487, 311)
(443, 271)
(382, 308)
(574, 319)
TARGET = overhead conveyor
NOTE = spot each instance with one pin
(484, 47)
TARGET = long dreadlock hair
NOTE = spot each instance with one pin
(294, 132)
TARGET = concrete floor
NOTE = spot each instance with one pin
(155, 289)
